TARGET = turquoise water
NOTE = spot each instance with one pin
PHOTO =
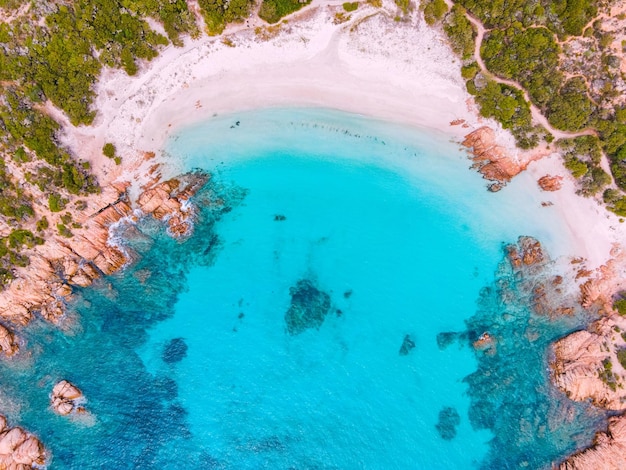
(298, 327)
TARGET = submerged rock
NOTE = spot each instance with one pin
(449, 419)
(407, 345)
(309, 307)
(446, 338)
(175, 351)
(66, 398)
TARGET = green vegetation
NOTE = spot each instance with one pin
(621, 357)
(434, 10)
(54, 56)
(273, 10)
(108, 150)
(42, 224)
(64, 231)
(521, 45)
(607, 376)
(350, 6)
(582, 156)
(620, 306)
(56, 203)
(460, 32)
(218, 13)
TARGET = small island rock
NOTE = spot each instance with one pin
(65, 397)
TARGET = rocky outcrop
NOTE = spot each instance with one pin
(527, 252)
(608, 451)
(550, 183)
(166, 201)
(44, 287)
(7, 341)
(586, 364)
(493, 161)
(66, 398)
(19, 449)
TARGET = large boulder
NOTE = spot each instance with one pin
(66, 398)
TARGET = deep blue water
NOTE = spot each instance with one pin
(298, 327)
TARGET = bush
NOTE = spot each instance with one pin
(621, 357)
(350, 6)
(108, 150)
(64, 231)
(56, 202)
(620, 306)
(273, 10)
(434, 11)
(578, 168)
(42, 224)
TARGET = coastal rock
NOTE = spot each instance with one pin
(550, 183)
(607, 452)
(65, 397)
(527, 252)
(166, 201)
(586, 365)
(491, 159)
(7, 341)
(45, 285)
(19, 449)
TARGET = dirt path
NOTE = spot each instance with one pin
(535, 111)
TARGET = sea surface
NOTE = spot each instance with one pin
(321, 315)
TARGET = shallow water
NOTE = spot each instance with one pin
(297, 327)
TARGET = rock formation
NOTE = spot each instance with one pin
(586, 364)
(19, 449)
(608, 451)
(45, 285)
(166, 201)
(550, 183)
(66, 398)
(527, 252)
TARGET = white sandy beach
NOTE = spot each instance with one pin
(371, 65)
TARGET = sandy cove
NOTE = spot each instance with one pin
(361, 66)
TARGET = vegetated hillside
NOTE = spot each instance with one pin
(52, 53)
(567, 58)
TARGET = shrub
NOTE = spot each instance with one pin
(620, 306)
(108, 150)
(434, 11)
(621, 357)
(350, 6)
(42, 224)
(56, 202)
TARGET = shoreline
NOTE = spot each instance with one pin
(311, 62)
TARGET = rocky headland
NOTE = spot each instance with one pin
(608, 451)
(590, 365)
(44, 287)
